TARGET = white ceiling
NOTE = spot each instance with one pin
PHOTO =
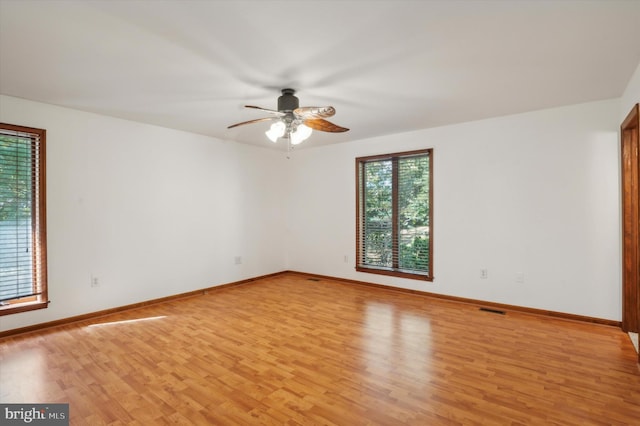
(386, 66)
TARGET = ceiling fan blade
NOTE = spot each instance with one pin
(314, 112)
(270, 111)
(257, 120)
(324, 125)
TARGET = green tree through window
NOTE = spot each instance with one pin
(394, 214)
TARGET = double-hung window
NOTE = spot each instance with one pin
(394, 223)
(23, 271)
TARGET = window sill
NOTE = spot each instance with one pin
(391, 272)
(14, 308)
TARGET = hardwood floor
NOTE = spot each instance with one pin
(286, 350)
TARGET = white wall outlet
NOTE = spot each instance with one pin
(484, 274)
(519, 277)
(95, 282)
(237, 260)
(346, 258)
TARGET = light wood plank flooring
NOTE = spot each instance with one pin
(287, 350)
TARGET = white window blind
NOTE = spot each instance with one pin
(394, 208)
(22, 227)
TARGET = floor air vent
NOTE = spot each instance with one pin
(313, 279)
(493, 311)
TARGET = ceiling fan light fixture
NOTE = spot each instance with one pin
(287, 121)
(301, 133)
(276, 131)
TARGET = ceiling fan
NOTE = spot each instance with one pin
(293, 122)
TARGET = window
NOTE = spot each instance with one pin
(23, 271)
(394, 223)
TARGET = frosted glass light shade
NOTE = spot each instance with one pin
(301, 133)
(276, 131)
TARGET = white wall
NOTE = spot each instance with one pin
(631, 95)
(149, 211)
(533, 193)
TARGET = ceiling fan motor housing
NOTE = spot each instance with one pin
(288, 102)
